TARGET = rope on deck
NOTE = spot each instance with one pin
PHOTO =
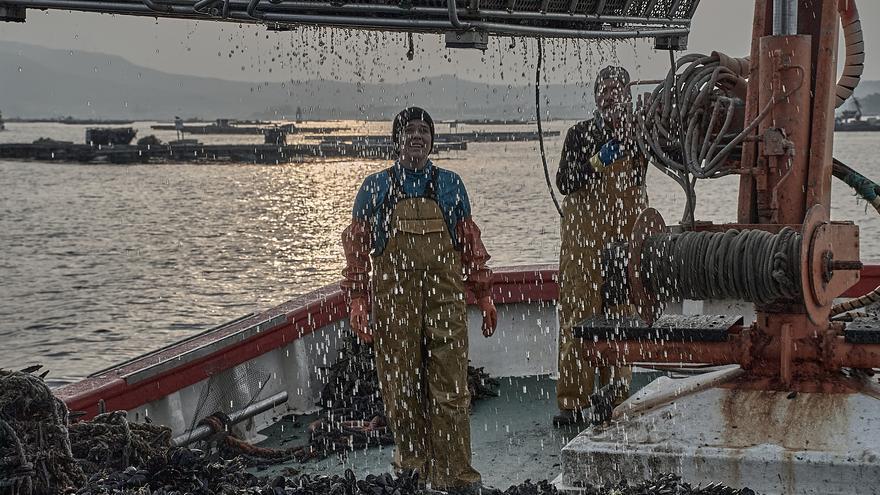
(35, 451)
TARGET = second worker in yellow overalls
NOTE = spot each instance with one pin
(413, 222)
(601, 174)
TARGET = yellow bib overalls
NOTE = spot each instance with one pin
(421, 343)
(601, 212)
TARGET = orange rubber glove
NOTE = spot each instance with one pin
(490, 315)
(360, 320)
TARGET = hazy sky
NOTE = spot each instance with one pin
(251, 53)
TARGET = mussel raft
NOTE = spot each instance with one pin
(43, 453)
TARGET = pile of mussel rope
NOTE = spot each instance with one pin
(35, 450)
(42, 454)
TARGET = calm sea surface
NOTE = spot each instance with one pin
(104, 262)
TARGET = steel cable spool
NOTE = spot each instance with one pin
(750, 265)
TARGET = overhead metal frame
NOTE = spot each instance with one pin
(595, 19)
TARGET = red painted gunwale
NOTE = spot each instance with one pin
(302, 316)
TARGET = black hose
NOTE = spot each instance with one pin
(870, 192)
(540, 131)
(864, 187)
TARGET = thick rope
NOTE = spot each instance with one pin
(686, 123)
(857, 303)
(870, 192)
(750, 265)
(35, 452)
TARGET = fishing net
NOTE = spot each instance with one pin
(227, 392)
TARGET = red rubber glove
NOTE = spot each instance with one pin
(360, 320)
(490, 315)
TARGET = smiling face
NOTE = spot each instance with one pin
(415, 144)
(613, 100)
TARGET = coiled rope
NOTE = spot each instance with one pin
(751, 265)
(686, 122)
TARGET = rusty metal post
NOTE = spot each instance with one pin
(822, 21)
(785, 80)
(785, 344)
(606, 352)
(753, 174)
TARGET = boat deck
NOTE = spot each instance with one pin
(512, 437)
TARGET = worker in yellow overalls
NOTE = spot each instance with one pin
(601, 174)
(413, 221)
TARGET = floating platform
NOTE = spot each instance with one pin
(469, 137)
(244, 130)
(56, 151)
(71, 121)
(870, 125)
(487, 122)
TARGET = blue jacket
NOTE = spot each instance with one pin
(451, 197)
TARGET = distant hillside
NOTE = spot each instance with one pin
(41, 82)
(870, 104)
(867, 88)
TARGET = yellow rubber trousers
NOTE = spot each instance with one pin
(602, 212)
(421, 343)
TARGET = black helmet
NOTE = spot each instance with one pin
(406, 116)
(616, 73)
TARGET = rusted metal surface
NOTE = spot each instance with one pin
(816, 216)
(821, 20)
(834, 251)
(785, 83)
(746, 211)
(845, 354)
(752, 418)
(607, 352)
(781, 351)
(646, 303)
(786, 344)
(792, 345)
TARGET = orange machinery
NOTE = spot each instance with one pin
(785, 170)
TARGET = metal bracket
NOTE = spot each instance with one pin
(467, 39)
(676, 43)
(775, 143)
